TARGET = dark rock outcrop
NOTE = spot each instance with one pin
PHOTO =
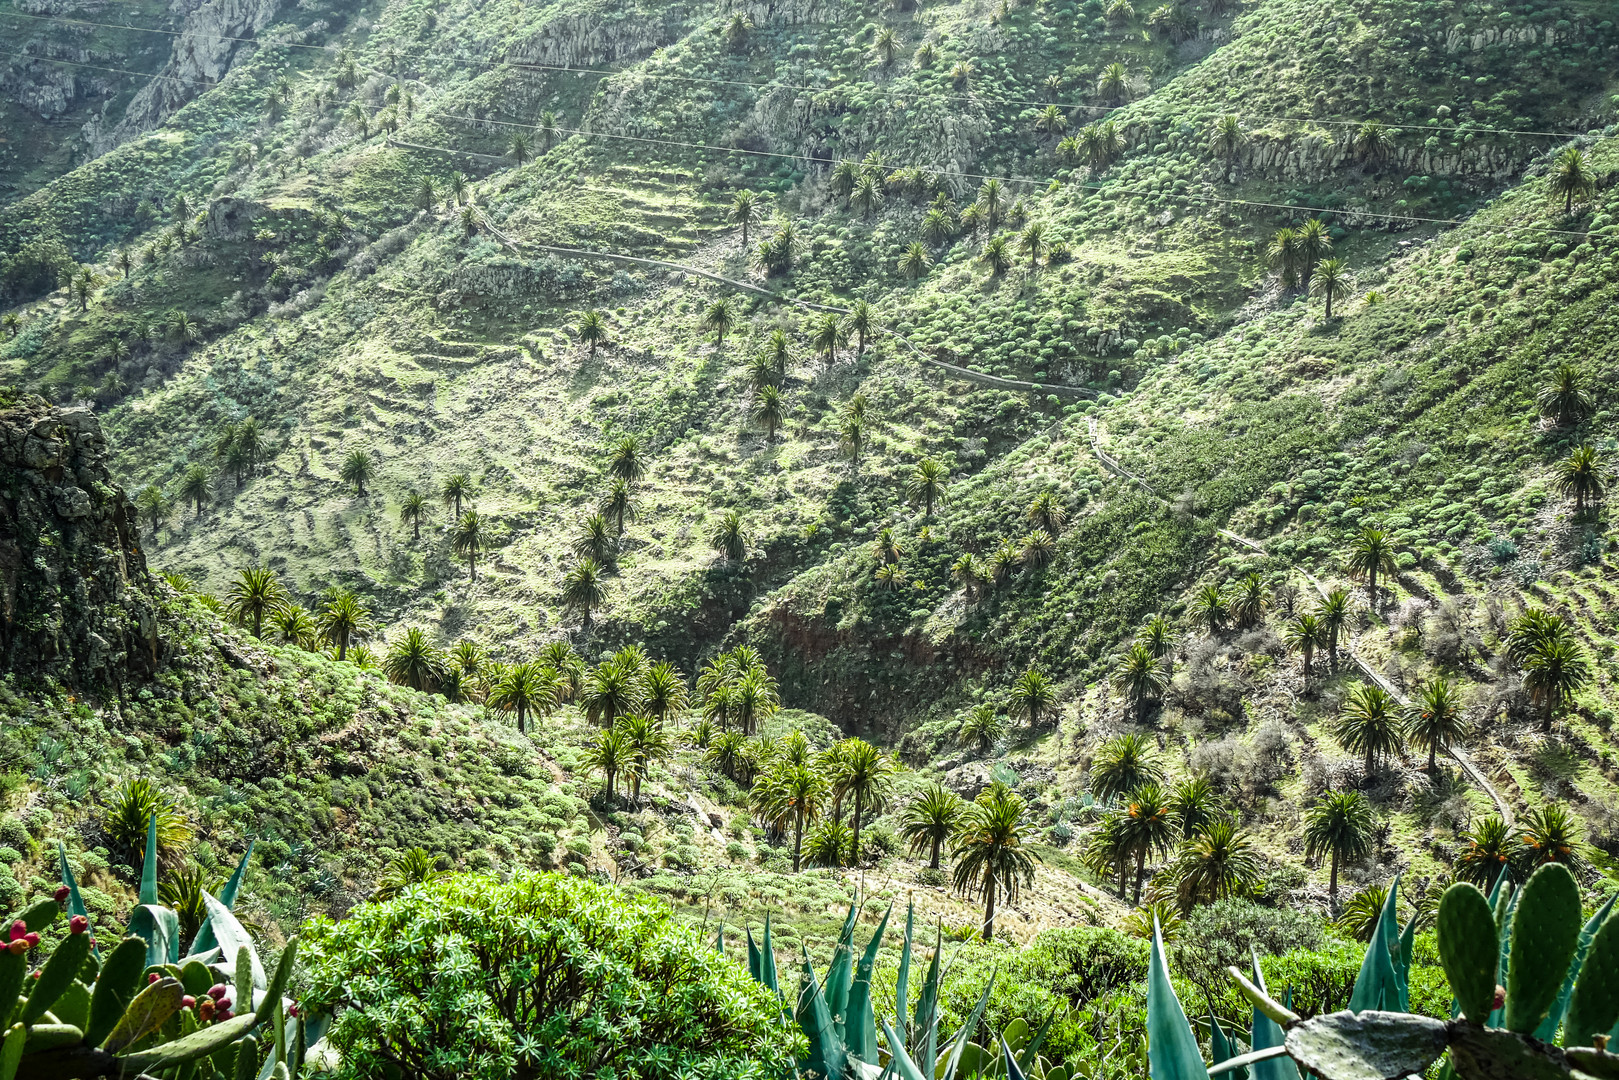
(76, 601)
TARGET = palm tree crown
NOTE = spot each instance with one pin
(992, 850)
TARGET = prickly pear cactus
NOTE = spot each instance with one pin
(1545, 933)
(1593, 1008)
(1468, 949)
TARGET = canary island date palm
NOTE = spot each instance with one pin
(1338, 825)
(992, 851)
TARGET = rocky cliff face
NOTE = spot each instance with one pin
(76, 601)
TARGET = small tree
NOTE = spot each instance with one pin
(1565, 400)
(729, 537)
(154, 507)
(468, 541)
(862, 323)
(1141, 677)
(1331, 283)
(341, 619)
(411, 511)
(194, 487)
(718, 319)
(769, 410)
(1369, 723)
(1583, 476)
(255, 595)
(1435, 719)
(916, 262)
(519, 149)
(583, 590)
(626, 461)
(356, 470)
(1304, 633)
(414, 661)
(1571, 177)
(931, 821)
(592, 331)
(1371, 554)
(454, 491)
(1338, 825)
(992, 851)
(1033, 695)
(827, 335)
(1123, 764)
(745, 211)
(927, 484)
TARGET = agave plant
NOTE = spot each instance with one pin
(1536, 992)
(143, 1009)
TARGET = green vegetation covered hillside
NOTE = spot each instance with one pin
(1071, 465)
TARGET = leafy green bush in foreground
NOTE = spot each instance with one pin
(543, 976)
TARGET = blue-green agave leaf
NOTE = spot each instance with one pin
(149, 864)
(1266, 1033)
(1375, 986)
(1172, 1052)
(860, 1023)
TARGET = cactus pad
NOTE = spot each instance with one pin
(1370, 1045)
(1468, 949)
(1545, 933)
(1594, 1005)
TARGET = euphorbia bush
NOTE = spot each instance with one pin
(546, 975)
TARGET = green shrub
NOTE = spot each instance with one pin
(543, 976)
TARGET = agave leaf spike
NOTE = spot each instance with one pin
(1267, 1033)
(827, 1056)
(859, 1022)
(1377, 985)
(925, 1027)
(767, 960)
(899, 1062)
(1010, 1064)
(1172, 1051)
(902, 977)
(205, 938)
(149, 863)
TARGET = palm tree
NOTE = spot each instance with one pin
(798, 791)
(1315, 243)
(1194, 804)
(1532, 630)
(745, 211)
(1583, 475)
(1553, 672)
(411, 512)
(1565, 399)
(718, 318)
(1548, 834)
(827, 335)
(862, 323)
(254, 595)
(583, 591)
(864, 773)
(1047, 512)
(1036, 548)
(729, 537)
(356, 470)
(414, 661)
(1339, 824)
(1210, 606)
(524, 689)
(627, 462)
(1123, 764)
(1369, 723)
(1032, 242)
(1050, 121)
(611, 754)
(1334, 613)
(852, 433)
(1032, 695)
(1571, 177)
(597, 542)
(1227, 137)
(426, 194)
(1488, 852)
(341, 619)
(927, 484)
(647, 744)
(454, 490)
(1113, 83)
(1303, 633)
(1144, 826)
(991, 850)
(663, 692)
(1284, 257)
(995, 256)
(769, 411)
(1159, 638)
(194, 487)
(1373, 142)
(931, 820)
(592, 331)
(886, 46)
(617, 504)
(154, 506)
(1371, 554)
(459, 187)
(1216, 861)
(1331, 282)
(1247, 601)
(916, 261)
(868, 196)
(293, 626)
(981, 727)
(1435, 719)
(611, 690)
(1141, 677)
(519, 149)
(961, 74)
(467, 540)
(937, 226)
(991, 202)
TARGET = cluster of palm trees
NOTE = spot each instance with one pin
(1302, 258)
(257, 601)
(1213, 857)
(1035, 549)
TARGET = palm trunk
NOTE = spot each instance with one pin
(938, 845)
(989, 908)
(1371, 586)
(1141, 871)
(1433, 756)
(1332, 886)
(1370, 761)
(342, 647)
(520, 717)
(416, 528)
(258, 622)
(472, 564)
(798, 838)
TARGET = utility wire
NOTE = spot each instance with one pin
(775, 85)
